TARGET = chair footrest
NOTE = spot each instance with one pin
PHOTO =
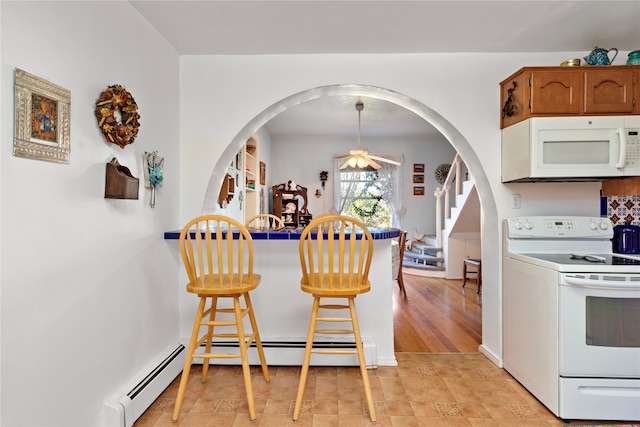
(334, 319)
(218, 323)
(334, 351)
(333, 306)
(217, 356)
(333, 331)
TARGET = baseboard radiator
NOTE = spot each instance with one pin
(291, 353)
(123, 409)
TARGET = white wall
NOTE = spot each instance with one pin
(224, 100)
(88, 284)
(302, 159)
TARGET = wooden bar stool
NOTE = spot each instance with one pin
(402, 242)
(265, 222)
(219, 264)
(335, 266)
(476, 266)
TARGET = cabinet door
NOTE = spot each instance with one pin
(556, 92)
(609, 90)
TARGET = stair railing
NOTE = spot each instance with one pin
(454, 176)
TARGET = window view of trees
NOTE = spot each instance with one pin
(363, 193)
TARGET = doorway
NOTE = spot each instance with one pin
(491, 312)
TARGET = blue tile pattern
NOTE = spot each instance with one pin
(286, 234)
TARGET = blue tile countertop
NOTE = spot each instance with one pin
(294, 234)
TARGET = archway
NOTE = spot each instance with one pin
(491, 313)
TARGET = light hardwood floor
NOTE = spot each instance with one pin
(441, 380)
(437, 315)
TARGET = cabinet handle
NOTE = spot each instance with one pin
(623, 148)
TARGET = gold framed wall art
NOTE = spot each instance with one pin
(42, 119)
(263, 173)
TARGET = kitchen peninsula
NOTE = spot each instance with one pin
(282, 309)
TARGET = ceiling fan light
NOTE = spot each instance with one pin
(361, 162)
(352, 162)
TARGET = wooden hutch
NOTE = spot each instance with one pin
(290, 204)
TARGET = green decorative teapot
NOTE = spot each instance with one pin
(600, 56)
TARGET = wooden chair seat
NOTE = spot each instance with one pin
(219, 265)
(225, 285)
(327, 285)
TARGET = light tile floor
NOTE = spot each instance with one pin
(426, 389)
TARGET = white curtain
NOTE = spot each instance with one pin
(342, 197)
(391, 177)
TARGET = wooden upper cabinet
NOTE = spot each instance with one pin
(514, 98)
(609, 90)
(556, 92)
(569, 91)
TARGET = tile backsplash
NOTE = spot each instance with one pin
(621, 208)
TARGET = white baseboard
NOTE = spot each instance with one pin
(126, 406)
(491, 356)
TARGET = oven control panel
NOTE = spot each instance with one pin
(535, 227)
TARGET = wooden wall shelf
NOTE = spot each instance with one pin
(227, 190)
(119, 182)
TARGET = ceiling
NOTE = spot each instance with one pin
(239, 27)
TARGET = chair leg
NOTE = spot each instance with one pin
(246, 370)
(307, 357)
(187, 364)
(256, 333)
(212, 318)
(361, 359)
(401, 283)
(464, 274)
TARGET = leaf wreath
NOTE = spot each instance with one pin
(117, 99)
(367, 213)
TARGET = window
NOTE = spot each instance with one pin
(366, 200)
(372, 196)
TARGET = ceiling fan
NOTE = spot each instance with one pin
(359, 157)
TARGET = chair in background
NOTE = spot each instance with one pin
(219, 264)
(476, 267)
(265, 222)
(402, 242)
(334, 265)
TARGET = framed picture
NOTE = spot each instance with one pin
(418, 168)
(418, 179)
(418, 191)
(42, 119)
(263, 173)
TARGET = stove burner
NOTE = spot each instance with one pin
(618, 260)
(590, 258)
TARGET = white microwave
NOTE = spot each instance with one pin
(588, 148)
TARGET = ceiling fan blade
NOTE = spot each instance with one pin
(341, 156)
(382, 159)
(344, 165)
(372, 163)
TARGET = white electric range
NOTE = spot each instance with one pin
(571, 316)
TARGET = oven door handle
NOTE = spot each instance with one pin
(601, 284)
